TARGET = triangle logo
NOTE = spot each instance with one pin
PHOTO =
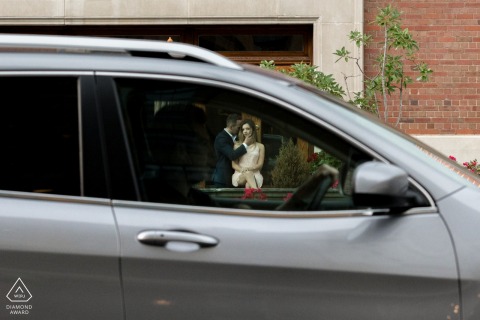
(19, 292)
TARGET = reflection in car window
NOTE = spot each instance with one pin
(39, 135)
(172, 127)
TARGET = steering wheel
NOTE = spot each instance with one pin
(310, 194)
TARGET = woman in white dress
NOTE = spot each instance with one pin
(247, 167)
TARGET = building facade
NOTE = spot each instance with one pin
(442, 112)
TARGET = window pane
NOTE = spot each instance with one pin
(39, 135)
(174, 129)
(252, 42)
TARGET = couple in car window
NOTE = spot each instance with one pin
(183, 153)
(239, 158)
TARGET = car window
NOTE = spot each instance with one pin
(39, 135)
(174, 129)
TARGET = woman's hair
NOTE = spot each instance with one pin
(252, 125)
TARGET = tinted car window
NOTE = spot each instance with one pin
(39, 135)
(172, 128)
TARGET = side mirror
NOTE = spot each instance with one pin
(381, 185)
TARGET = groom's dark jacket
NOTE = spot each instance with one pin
(223, 145)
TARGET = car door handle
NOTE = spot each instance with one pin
(161, 238)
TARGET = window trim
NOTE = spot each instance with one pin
(356, 213)
(117, 153)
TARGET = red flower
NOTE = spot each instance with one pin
(288, 196)
(335, 184)
(249, 193)
(472, 165)
(313, 157)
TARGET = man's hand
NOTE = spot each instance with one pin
(249, 140)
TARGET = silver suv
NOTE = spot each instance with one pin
(108, 209)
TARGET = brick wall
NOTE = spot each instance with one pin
(448, 33)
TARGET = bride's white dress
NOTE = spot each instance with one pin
(249, 159)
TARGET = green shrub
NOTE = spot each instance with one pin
(310, 75)
(291, 169)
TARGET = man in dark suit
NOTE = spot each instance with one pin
(224, 141)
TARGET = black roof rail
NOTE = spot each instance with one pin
(130, 46)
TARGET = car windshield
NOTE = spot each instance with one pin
(409, 145)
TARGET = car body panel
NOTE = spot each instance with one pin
(460, 212)
(287, 267)
(66, 253)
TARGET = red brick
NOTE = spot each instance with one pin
(448, 33)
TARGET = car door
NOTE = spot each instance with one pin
(283, 267)
(58, 242)
(243, 259)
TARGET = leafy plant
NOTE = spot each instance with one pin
(291, 169)
(311, 75)
(398, 50)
